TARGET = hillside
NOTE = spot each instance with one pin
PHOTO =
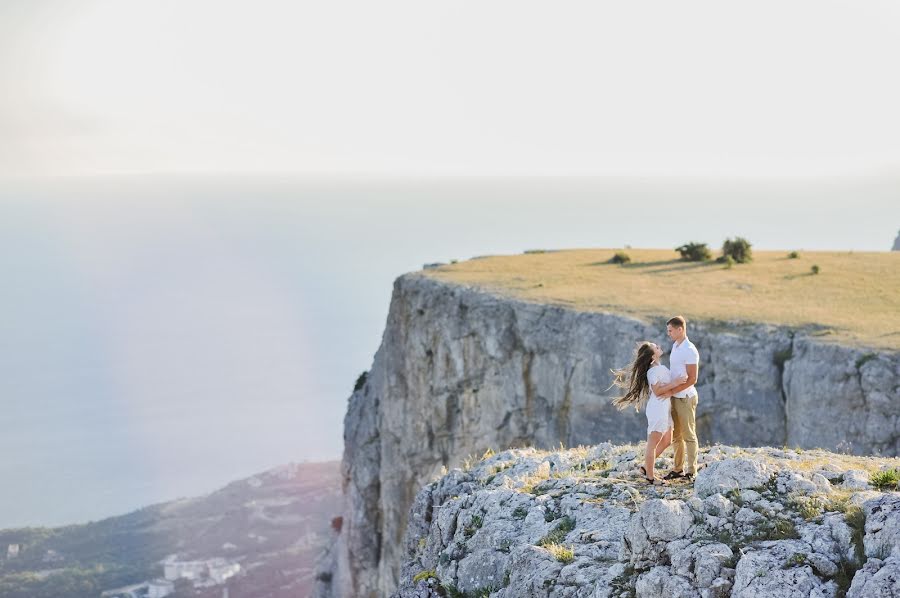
(275, 525)
(855, 299)
(761, 522)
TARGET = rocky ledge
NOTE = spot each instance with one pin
(756, 522)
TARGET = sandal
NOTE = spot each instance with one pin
(654, 481)
(643, 471)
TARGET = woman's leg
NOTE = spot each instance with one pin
(664, 442)
(650, 455)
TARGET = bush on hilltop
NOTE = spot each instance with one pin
(738, 249)
(694, 252)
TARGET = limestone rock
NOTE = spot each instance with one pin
(780, 569)
(882, 539)
(657, 521)
(461, 369)
(856, 480)
(877, 578)
(731, 474)
(581, 522)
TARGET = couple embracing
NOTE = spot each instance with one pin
(670, 399)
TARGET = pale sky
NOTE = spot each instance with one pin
(449, 87)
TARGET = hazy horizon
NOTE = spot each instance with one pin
(159, 338)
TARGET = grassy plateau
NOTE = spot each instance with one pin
(854, 298)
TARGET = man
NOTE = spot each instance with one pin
(683, 360)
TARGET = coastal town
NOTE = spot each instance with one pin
(201, 573)
(258, 537)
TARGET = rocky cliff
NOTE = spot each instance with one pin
(756, 523)
(461, 370)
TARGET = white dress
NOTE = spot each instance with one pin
(659, 411)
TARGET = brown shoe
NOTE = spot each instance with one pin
(673, 475)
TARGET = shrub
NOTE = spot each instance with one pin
(620, 258)
(886, 480)
(452, 592)
(729, 261)
(474, 525)
(694, 252)
(809, 508)
(775, 529)
(855, 518)
(838, 504)
(793, 255)
(561, 553)
(783, 529)
(738, 249)
(554, 537)
(565, 525)
(814, 269)
(424, 575)
(797, 560)
(864, 359)
(360, 381)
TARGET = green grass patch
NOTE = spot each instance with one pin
(886, 480)
(475, 523)
(558, 534)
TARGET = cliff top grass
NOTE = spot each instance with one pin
(854, 299)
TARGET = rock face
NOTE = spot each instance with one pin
(581, 523)
(460, 370)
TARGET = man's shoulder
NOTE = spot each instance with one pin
(692, 348)
(685, 345)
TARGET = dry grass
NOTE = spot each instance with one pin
(854, 299)
(817, 459)
(563, 554)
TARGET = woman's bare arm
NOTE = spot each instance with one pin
(659, 388)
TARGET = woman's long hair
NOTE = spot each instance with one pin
(633, 379)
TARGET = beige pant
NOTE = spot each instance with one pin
(684, 437)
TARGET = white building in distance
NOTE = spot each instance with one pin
(159, 588)
(203, 573)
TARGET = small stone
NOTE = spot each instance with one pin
(856, 479)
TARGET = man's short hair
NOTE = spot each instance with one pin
(677, 322)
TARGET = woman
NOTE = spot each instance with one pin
(644, 380)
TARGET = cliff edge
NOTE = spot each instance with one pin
(462, 369)
(760, 522)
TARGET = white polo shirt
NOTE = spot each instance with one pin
(682, 355)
